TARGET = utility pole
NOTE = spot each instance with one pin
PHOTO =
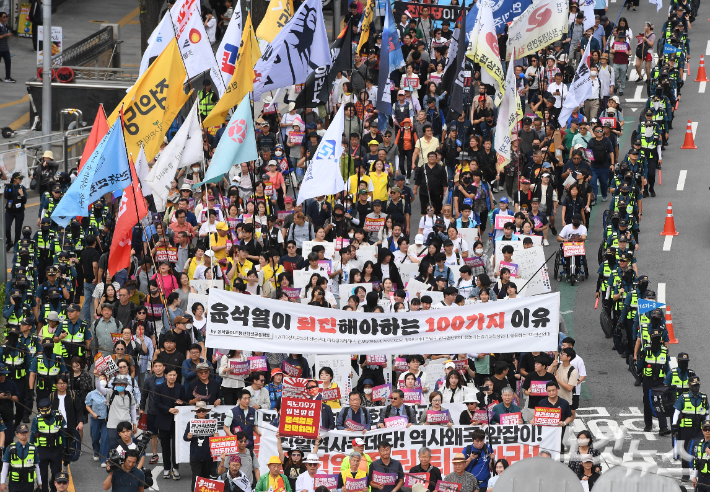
(47, 71)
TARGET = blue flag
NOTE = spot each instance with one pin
(394, 61)
(106, 171)
(504, 11)
(670, 49)
(646, 305)
(237, 145)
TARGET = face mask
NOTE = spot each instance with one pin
(694, 388)
(45, 228)
(120, 389)
(582, 441)
(683, 365)
(26, 234)
(479, 251)
(195, 169)
(102, 383)
(351, 235)
(47, 350)
(648, 132)
(655, 343)
(278, 153)
(368, 391)
(594, 74)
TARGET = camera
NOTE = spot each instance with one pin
(114, 461)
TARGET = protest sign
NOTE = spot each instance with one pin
(355, 484)
(297, 387)
(547, 416)
(340, 365)
(400, 364)
(412, 396)
(461, 366)
(115, 337)
(513, 267)
(437, 417)
(100, 363)
(111, 366)
(442, 486)
(402, 385)
(203, 484)
(374, 225)
(330, 394)
(538, 388)
(223, 444)
(295, 138)
(291, 293)
(327, 264)
(381, 392)
(376, 360)
(341, 242)
(300, 418)
(502, 219)
(241, 322)
(238, 367)
(258, 363)
(329, 481)
(204, 286)
(282, 214)
(166, 253)
(511, 418)
(411, 479)
(573, 249)
(143, 422)
(396, 422)
(380, 478)
(292, 370)
(354, 426)
(203, 427)
(347, 290)
(307, 247)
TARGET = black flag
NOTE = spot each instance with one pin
(320, 82)
(453, 76)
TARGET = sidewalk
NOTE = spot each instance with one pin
(79, 19)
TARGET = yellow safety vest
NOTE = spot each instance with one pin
(654, 364)
(49, 435)
(22, 470)
(692, 416)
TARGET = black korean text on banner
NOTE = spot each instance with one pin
(203, 427)
(254, 323)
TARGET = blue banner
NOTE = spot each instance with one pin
(646, 305)
(670, 49)
(106, 171)
(393, 61)
(504, 11)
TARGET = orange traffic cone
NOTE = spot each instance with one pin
(669, 326)
(669, 226)
(701, 71)
(689, 142)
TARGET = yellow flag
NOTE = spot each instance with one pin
(153, 102)
(366, 21)
(278, 14)
(242, 80)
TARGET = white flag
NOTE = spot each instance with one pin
(579, 90)
(323, 174)
(184, 149)
(194, 44)
(542, 23)
(484, 50)
(298, 49)
(229, 47)
(142, 170)
(507, 117)
(158, 41)
(587, 7)
(657, 3)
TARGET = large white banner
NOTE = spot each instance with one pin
(542, 23)
(512, 442)
(242, 322)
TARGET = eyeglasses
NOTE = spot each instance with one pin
(311, 464)
(436, 401)
(61, 383)
(311, 387)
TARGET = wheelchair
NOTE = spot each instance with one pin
(574, 268)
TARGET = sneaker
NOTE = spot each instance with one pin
(176, 474)
(103, 465)
(166, 474)
(647, 428)
(653, 194)
(603, 198)
(638, 383)
(96, 458)
(406, 181)
(621, 93)
(154, 459)
(545, 242)
(10, 80)
(554, 230)
(664, 432)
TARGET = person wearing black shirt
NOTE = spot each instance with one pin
(169, 356)
(15, 200)
(90, 264)
(431, 180)
(554, 401)
(523, 197)
(252, 245)
(425, 466)
(204, 388)
(267, 139)
(536, 392)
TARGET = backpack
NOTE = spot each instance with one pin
(113, 395)
(293, 227)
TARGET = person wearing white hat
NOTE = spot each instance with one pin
(306, 480)
(47, 170)
(288, 119)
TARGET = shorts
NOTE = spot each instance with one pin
(648, 57)
(152, 427)
(573, 406)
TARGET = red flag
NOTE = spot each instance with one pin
(98, 131)
(128, 216)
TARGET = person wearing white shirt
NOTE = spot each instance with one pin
(453, 258)
(465, 284)
(591, 105)
(259, 395)
(306, 481)
(211, 28)
(558, 90)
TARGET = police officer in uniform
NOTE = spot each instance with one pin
(44, 370)
(46, 435)
(621, 281)
(21, 463)
(77, 241)
(690, 412)
(27, 236)
(651, 149)
(628, 313)
(653, 366)
(56, 306)
(47, 247)
(15, 200)
(48, 203)
(42, 294)
(679, 376)
(17, 306)
(701, 460)
(16, 360)
(206, 99)
(605, 269)
(75, 335)
(30, 345)
(98, 217)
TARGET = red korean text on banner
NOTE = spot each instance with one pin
(299, 418)
(547, 416)
(411, 479)
(207, 485)
(573, 249)
(258, 363)
(396, 422)
(223, 444)
(511, 418)
(443, 486)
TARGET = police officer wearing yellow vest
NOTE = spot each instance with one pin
(206, 99)
(75, 336)
(30, 345)
(653, 366)
(26, 236)
(16, 361)
(701, 460)
(628, 313)
(679, 376)
(48, 203)
(20, 463)
(690, 412)
(47, 246)
(52, 331)
(46, 435)
(54, 305)
(44, 370)
(650, 136)
(17, 306)
(43, 290)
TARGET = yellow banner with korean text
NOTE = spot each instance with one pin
(277, 16)
(153, 102)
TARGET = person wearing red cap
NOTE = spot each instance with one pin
(275, 387)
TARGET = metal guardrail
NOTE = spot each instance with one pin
(104, 73)
(86, 49)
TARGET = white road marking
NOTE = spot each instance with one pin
(667, 243)
(661, 291)
(701, 88)
(707, 49)
(157, 473)
(694, 125)
(565, 312)
(634, 109)
(638, 98)
(633, 76)
(681, 180)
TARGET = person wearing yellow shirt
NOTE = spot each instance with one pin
(239, 268)
(326, 375)
(380, 182)
(219, 242)
(352, 184)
